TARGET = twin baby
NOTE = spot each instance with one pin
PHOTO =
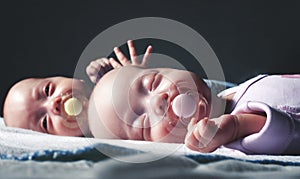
(129, 101)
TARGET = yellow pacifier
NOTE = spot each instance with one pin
(73, 106)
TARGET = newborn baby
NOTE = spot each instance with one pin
(149, 104)
(260, 116)
(59, 105)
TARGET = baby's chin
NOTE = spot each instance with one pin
(171, 131)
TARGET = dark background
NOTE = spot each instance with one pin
(46, 38)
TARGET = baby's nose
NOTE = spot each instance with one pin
(159, 103)
(55, 105)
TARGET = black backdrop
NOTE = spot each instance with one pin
(45, 38)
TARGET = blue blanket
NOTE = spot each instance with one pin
(36, 154)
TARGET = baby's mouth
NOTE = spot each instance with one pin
(71, 104)
(171, 115)
(184, 104)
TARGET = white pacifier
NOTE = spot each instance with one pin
(73, 106)
(184, 106)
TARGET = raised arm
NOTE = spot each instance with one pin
(97, 68)
(207, 135)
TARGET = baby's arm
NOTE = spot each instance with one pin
(97, 68)
(207, 135)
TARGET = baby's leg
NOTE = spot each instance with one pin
(209, 134)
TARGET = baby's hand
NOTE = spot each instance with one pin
(97, 68)
(207, 134)
(133, 56)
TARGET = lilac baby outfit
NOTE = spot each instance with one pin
(278, 97)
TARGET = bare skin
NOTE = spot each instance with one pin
(99, 67)
(207, 134)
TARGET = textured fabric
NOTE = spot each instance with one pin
(278, 97)
(218, 86)
(22, 144)
(22, 150)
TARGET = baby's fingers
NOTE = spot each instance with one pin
(191, 141)
(201, 135)
(192, 138)
(192, 124)
(97, 65)
(121, 57)
(132, 52)
(146, 56)
(92, 70)
(100, 62)
(114, 63)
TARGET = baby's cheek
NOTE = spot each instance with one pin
(166, 132)
(65, 128)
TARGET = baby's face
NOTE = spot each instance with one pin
(37, 104)
(135, 103)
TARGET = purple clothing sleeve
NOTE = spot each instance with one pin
(279, 135)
